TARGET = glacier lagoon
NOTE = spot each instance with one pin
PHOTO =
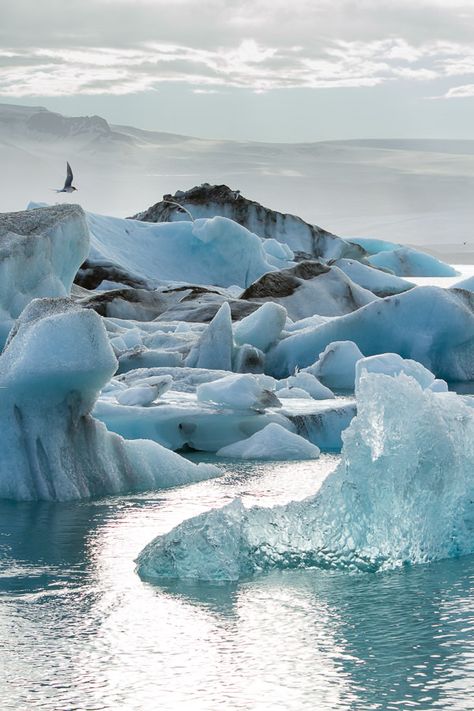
(81, 631)
(71, 596)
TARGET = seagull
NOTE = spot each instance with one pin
(68, 187)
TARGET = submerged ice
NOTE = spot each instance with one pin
(402, 494)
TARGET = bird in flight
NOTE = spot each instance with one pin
(68, 186)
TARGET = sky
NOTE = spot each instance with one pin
(285, 71)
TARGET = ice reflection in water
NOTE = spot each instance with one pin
(79, 630)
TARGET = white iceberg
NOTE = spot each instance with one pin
(272, 442)
(402, 494)
(336, 365)
(239, 392)
(262, 328)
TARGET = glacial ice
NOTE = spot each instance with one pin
(402, 494)
(272, 442)
(40, 253)
(239, 392)
(56, 360)
(336, 365)
(208, 251)
(431, 325)
(369, 277)
(215, 348)
(306, 381)
(310, 288)
(262, 328)
(409, 262)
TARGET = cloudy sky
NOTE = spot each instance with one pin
(293, 70)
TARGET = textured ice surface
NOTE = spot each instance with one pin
(310, 288)
(55, 363)
(273, 442)
(208, 251)
(402, 494)
(263, 327)
(308, 382)
(239, 392)
(40, 253)
(216, 345)
(336, 365)
(431, 325)
(380, 283)
(406, 261)
(393, 364)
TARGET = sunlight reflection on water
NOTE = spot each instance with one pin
(79, 630)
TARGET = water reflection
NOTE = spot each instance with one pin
(79, 630)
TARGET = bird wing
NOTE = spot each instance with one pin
(69, 177)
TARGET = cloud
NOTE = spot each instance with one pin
(120, 46)
(460, 92)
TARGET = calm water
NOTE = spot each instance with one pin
(79, 630)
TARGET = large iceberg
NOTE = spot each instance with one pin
(40, 253)
(56, 360)
(210, 200)
(214, 251)
(310, 288)
(402, 494)
(431, 325)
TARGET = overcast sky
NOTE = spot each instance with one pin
(299, 70)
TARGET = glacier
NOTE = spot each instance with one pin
(402, 494)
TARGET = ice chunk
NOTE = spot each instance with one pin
(393, 364)
(40, 253)
(214, 349)
(377, 281)
(294, 392)
(402, 494)
(262, 328)
(310, 288)
(55, 363)
(307, 381)
(406, 261)
(273, 442)
(239, 392)
(214, 251)
(336, 365)
(431, 325)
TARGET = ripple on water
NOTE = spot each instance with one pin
(79, 630)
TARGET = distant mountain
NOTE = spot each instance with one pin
(409, 191)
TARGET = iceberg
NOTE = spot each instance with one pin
(310, 288)
(402, 494)
(406, 261)
(215, 348)
(40, 253)
(239, 392)
(431, 325)
(272, 442)
(262, 328)
(336, 365)
(55, 362)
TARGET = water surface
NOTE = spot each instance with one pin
(79, 630)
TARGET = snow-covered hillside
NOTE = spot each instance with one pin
(410, 192)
